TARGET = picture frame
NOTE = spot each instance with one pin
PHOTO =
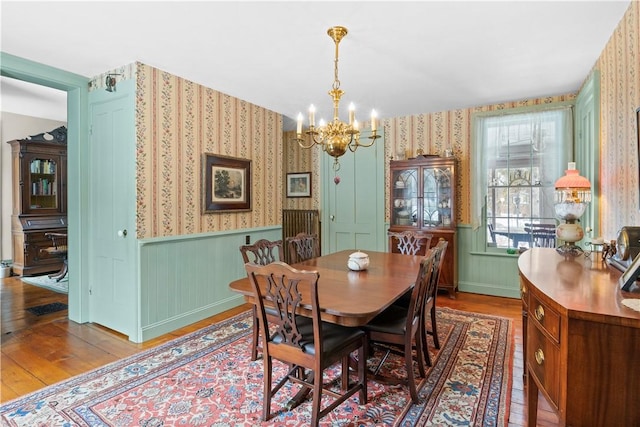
(299, 184)
(630, 275)
(226, 184)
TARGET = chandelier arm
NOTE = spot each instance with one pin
(301, 143)
(354, 142)
(313, 138)
(372, 138)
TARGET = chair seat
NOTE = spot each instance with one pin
(404, 300)
(334, 337)
(392, 321)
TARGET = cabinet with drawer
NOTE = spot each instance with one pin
(543, 360)
(581, 341)
(39, 201)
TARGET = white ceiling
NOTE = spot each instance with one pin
(401, 58)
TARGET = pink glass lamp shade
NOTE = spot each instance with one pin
(573, 194)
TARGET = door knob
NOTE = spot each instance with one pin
(122, 233)
(332, 217)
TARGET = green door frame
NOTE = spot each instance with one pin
(77, 88)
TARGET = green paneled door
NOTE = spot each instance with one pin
(587, 148)
(113, 299)
(353, 214)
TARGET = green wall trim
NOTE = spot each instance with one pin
(243, 231)
(487, 273)
(77, 88)
(486, 289)
(184, 279)
(34, 72)
(184, 319)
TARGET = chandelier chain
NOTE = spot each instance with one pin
(336, 80)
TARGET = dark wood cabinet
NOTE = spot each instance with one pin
(581, 342)
(39, 170)
(423, 197)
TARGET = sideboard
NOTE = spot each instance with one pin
(581, 344)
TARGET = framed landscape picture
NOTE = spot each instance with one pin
(299, 184)
(226, 183)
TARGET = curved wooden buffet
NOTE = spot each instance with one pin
(581, 344)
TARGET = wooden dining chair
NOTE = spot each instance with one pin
(430, 301)
(58, 249)
(409, 242)
(400, 329)
(302, 247)
(429, 309)
(308, 347)
(542, 235)
(492, 234)
(261, 252)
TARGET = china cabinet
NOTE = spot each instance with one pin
(39, 170)
(422, 197)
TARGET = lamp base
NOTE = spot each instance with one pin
(569, 250)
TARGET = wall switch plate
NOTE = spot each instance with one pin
(247, 239)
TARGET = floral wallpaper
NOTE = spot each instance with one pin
(177, 121)
(619, 66)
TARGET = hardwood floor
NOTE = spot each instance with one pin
(41, 350)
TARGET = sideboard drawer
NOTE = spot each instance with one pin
(546, 317)
(543, 360)
(524, 293)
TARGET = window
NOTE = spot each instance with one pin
(517, 158)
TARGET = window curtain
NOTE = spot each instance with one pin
(486, 146)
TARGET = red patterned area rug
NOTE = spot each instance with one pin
(206, 379)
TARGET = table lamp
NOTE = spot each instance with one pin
(572, 195)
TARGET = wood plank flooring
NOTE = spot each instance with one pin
(37, 351)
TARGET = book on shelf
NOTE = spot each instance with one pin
(43, 166)
(43, 187)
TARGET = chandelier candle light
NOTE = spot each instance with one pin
(572, 195)
(336, 136)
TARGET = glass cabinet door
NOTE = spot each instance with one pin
(43, 184)
(404, 207)
(437, 201)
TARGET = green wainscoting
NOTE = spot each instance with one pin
(184, 279)
(488, 273)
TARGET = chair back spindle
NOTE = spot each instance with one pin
(263, 252)
(302, 247)
(410, 242)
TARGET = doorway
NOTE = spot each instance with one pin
(76, 88)
(27, 110)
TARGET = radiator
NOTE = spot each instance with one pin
(296, 221)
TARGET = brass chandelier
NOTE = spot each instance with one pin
(336, 136)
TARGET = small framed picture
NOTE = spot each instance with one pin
(226, 184)
(629, 277)
(299, 184)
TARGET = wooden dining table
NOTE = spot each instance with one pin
(353, 298)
